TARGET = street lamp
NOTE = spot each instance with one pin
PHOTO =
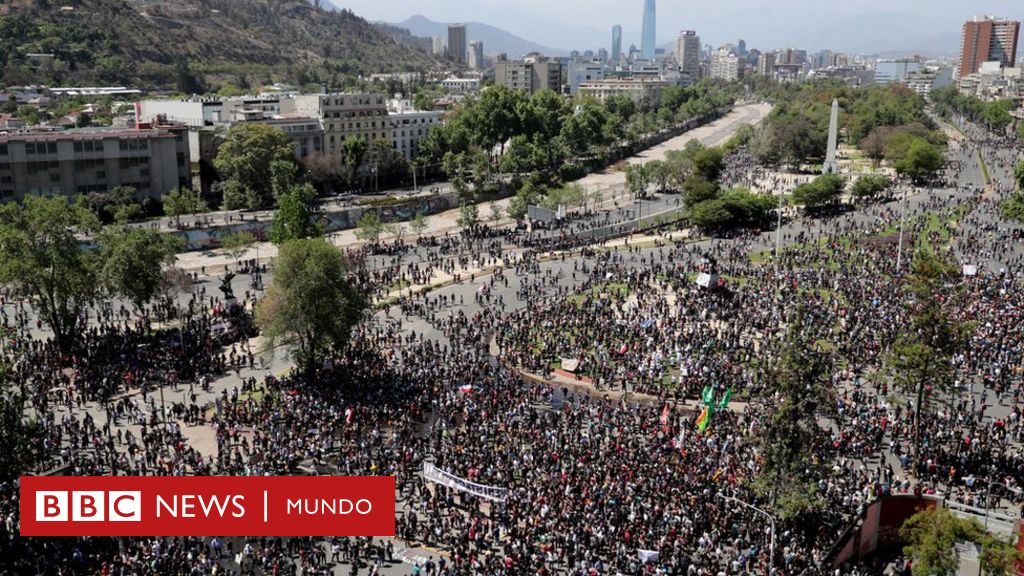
(771, 549)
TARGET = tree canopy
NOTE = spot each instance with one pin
(245, 160)
(312, 304)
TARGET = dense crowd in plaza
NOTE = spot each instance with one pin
(599, 482)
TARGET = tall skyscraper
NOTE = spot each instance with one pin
(688, 54)
(647, 41)
(987, 39)
(616, 43)
(476, 55)
(438, 45)
(457, 43)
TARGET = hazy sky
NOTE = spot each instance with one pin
(852, 25)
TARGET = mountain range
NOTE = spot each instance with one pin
(495, 39)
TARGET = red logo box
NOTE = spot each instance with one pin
(207, 505)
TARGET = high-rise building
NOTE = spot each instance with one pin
(457, 43)
(438, 45)
(688, 54)
(532, 74)
(987, 39)
(647, 41)
(616, 43)
(741, 48)
(726, 65)
(896, 70)
(476, 55)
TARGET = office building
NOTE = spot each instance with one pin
(532, 74)
(616, 43)
(688, 54)
(645, 92)
(476, 55)
(409, 125)
(457, 43)
(437, 44)
(890, 70)
(766, 64)
(151, 160)
(583, 72)
(726, 65)
(647, 40)
(987, 39)
(924, 82)
(342, 115)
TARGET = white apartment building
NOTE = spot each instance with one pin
(645, 92)
(726, 65)
(343, 115)
(409, 125)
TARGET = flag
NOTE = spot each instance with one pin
(623, 350)
(466, 388)
(704, 418)
(648, 556)
(708, 395)
(724, 402)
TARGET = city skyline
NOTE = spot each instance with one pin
(868, 27)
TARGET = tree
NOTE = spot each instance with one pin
(133, 262)
(369, 227)
(659, 174)
(921, 160)
(237, 243)
(921, 358)
(697, 190)
(353, 151)
(708, 163)
(1018, 174)
(41, 257)
(312, 304)
(246, 157)
(932, 535)
(822, 191)
(870, 186)
(801, 391)
(637, 180)
(283, 176)
(293, 218)
(181, 201)
(418, 224)
(495, 212)
(469, 216)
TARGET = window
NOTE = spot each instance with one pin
(3, 149)
(89, 146)
(51, 147)
(122, 145)
(77, 146)
(30, 148)
(144, 172)
(54, 177)
(101, 174)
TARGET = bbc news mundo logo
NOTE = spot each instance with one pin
(208, 505)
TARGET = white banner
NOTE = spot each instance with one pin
(434, 474)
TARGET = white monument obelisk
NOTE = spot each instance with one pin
(830, 166)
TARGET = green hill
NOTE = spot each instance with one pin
(182, 44)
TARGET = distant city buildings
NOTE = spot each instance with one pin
(437, 44)
(647, 40)
(987, 39)
(583, 72)
(688, 54)
(726, 65)
(896, 70)
(476, 55)
(616, 43)
(457, 43)
(532, 73)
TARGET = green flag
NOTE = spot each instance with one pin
(724, 402)
(708, 395)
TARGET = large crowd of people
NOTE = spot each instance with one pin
(605, 474)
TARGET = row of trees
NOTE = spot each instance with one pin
(43, 256)
(993, 114)
(796, 131)
(1013, 207)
